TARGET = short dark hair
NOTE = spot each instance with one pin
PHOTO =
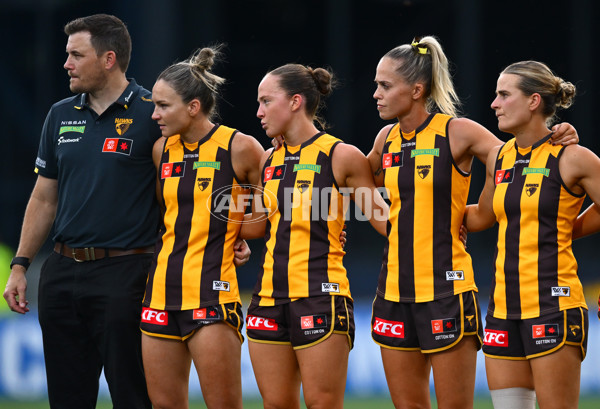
(108, 33)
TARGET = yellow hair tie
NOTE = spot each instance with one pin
(420, 50)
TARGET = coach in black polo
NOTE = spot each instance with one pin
(96, 184)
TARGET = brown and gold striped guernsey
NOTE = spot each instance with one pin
(424, 259)
(303, 254)
(536, 272)
(193, 262)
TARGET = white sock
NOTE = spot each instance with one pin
(513, 398)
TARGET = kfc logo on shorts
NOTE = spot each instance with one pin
(394, 329)
(313, 321)
(330, 287)
(208, 313)
(441, 326)
(156, 317)
(260, 323)
(544, 330)
(561, 291)
(495, 338)
(505, 175)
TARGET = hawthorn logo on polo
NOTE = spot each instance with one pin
(531, 188)
(392, 159)
(208, 313)
(394, 329)
(118, 145)
(442, 326)
(302, 185)
(156, 317)
(423, 170)
(172, 170)
(313, 321)
(203, 183)
(496, 338)
(561, 291)
(504, 175)
(221, 286)
(261, 323)
(544, 330)
(274, 172)
(122, 125)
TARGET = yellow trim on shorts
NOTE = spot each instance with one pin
(381, 345)
(462, 330)
(260, 341)
(155, 335)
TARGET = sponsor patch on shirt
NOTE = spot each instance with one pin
(455, 275)
(392, 159)
(504, 175)
(561, 291)
(118, 145)
(221, 286)
(274, 172)
(172, 170)
(330, 287)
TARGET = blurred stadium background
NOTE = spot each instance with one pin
(480, 38)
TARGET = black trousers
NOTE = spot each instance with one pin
(89, 313)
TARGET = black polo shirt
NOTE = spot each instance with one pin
(103, 164)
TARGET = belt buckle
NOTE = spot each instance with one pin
(90, 254)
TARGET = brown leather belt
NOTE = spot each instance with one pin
(93, 253)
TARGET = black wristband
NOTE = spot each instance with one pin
(21, 261)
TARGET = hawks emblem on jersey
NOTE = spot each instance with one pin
(203, 183)
(302, 185)
(423, 171)
(393, 159)
(122, 125)
(274, 172)
(531, 188)
(505, 175)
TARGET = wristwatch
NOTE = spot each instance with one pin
(21, 261)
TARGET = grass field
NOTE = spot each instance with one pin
(367, 403)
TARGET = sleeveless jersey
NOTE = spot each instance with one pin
(303, 255)
(424, 259)
(535, 270)
(193, 262)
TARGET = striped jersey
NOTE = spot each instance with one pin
(535, 269)
(303, 255)
(424, 258)
(193, 261)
